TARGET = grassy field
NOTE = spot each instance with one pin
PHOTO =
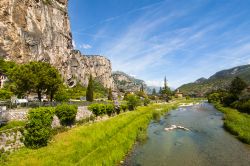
(102, 143)
(236, 123)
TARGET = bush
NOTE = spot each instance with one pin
(110, 109)
(5, 94)
(98, 109)
(242, 106)
(214, 98)
(124, 107)
(133, 101)
(101, 109)
(146, 101)
(38, 129)
(228, 99)
(66, 113)
(62, 95)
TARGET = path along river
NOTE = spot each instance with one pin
(206, 144)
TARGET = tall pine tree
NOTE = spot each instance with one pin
(90, 90)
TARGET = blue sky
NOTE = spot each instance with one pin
(180, 39)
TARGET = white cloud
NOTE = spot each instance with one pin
(85, 46)
(74, 44)
(158, 83)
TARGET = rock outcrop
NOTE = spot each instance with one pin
(39, 30)
(127, 83)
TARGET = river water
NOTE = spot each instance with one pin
(206, 144)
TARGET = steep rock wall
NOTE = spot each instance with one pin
(39, 30)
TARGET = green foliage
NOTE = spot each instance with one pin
(236, 123)
(214, 98)
(99, 89)
(90, 90)
(110, 109)
(237, 85)
(124, 107)
(97, 109)
(62, 95)
(228, 99)
(5, 94)
(101, 109)
(38, 77)
(146, 101)
(242, 106)
(12, 124)
(38, 129)
(6, 66)
(221, 80)
(77, 91)
(47, 2)
(103, 143)
(66, 113)
(154, 91)
(110, 96)
(133, 101)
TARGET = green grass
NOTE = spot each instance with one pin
(102, 143)
(12, 124)
(236, 123)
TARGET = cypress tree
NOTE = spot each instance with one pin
(90, 90)
(110, 97)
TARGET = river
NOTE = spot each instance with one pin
(206, 144)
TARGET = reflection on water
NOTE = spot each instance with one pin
(205, 144)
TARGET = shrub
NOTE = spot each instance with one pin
(97, 109)
(228, 99)
(66, 113)
(62, 95)
(110, 109)
(214, 98)
(146, 101)
(38, 129)
(5, 94)
(124, 107)
(242, 106)
(133, 101)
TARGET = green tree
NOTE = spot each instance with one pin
(154, 91)
(166, 91)
(90, 90)
(38, 77)
(53, 82)
(110, 96)
(237, 85)
(132, 101)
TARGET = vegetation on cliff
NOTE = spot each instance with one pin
(220, 80)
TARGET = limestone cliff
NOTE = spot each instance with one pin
(127, 83)
(39, 30)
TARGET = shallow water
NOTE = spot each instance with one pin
(207, 143)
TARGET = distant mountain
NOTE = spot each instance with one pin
(127, 83)
(220, 80)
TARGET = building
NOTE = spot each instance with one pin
(3, 78)
(178, 94)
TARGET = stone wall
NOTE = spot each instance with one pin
(11, 140)
(21, 114)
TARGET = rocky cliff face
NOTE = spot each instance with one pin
(126, 83)
(39, 30)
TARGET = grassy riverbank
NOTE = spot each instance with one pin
(102, 143)
(236, 123)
